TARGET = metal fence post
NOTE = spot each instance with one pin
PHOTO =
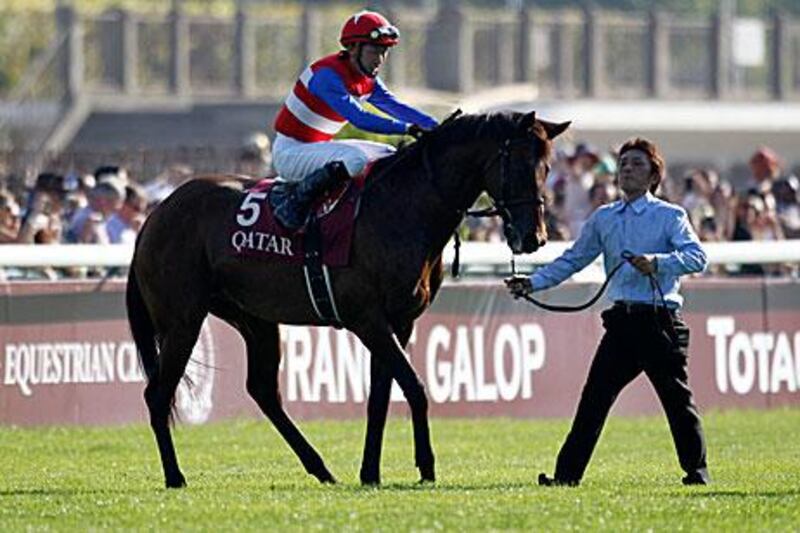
(179, 51)
(72, 60)
(658, 60)
(129, 52)
(525, 67)
(450, 58)
(399, 57)
(720, 54)
(781, 58)
(244, 54)
(311, 31)
(564, 57)
(595, 52)
(506, 59)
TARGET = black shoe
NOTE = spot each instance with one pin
(695, 478)
(286, 207)
(545, 481)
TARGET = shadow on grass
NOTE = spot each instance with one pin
(200, 485)
(740, 493)
(39, 491)
(454, 487)
(393, 487)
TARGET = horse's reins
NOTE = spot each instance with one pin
(626, 258)
(501, 208)
(409, 150)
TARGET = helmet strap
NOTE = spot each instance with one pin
(361, 67)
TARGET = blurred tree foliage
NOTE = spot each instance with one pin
(23, 37)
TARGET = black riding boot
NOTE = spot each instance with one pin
(291, 201)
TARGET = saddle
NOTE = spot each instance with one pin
(324, 242)
(255, 232)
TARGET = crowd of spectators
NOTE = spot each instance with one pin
(104, 206)
(109, 206)
(765, 207)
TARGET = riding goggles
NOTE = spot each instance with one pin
(384, 31)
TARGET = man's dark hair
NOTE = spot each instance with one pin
(135, 196)
(653, 154)
(50, 182)
(106, 170)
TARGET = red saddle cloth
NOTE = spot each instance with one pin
(257, 234)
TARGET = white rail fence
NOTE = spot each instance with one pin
(478, 255)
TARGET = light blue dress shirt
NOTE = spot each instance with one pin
(644, 227)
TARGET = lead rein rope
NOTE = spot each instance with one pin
(627, 256)
(571, 308)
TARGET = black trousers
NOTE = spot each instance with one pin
(637, 339)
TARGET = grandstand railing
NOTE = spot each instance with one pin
(480, 255)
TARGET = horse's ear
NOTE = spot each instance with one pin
(528, 120)
(552, 129)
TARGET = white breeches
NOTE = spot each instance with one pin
(294, 160)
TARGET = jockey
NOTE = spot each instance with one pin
(329, 94)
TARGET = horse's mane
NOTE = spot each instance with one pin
(496, 126)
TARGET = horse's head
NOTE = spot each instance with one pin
(515, 179)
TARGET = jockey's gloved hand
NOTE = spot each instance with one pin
(416, 131)
(518, 285)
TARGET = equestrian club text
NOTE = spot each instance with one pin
(28, 365)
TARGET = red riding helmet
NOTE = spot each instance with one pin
(369, 27)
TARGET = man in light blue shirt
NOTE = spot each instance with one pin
(644, 328)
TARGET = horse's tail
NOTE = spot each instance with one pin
(142, 329)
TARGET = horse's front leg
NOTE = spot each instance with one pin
(380, 390)
(377, 409)
(379, 338)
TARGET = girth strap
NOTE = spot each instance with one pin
(318, 282)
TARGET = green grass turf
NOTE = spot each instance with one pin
(242, 476)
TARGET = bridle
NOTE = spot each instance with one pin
(502, 207)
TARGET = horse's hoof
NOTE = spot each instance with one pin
(176, 483)
(370, 479)
(427, 474)
(326, 478)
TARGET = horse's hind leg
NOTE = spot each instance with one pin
(263, 358)
(175, 350)
(377, 409)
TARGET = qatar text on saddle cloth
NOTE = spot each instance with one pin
(256, 233)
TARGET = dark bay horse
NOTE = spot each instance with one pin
(183, 269)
